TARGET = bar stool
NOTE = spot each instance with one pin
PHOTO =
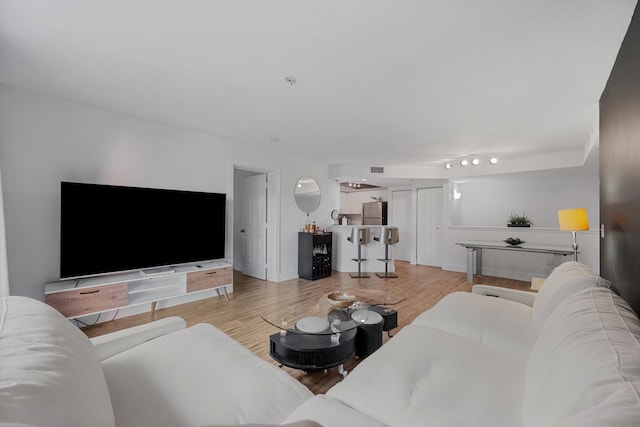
(359, 236)
(388, 236)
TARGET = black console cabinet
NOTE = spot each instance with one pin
(314, 255)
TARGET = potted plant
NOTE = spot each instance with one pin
(516, 220)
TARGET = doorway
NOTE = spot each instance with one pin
(254, 196)
(429, 227)
(250, 222)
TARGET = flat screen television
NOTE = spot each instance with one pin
(106, 228)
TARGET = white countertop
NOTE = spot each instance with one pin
(356, 225)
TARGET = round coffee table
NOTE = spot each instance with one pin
(323, 336)
(314, 351)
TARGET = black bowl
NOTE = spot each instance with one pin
(513, 241)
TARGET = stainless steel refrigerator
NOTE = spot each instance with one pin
(374, 213)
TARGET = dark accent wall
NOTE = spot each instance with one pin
(620, 170)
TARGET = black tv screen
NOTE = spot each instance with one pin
(105, 228)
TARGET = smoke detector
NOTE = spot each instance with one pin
(291, 80)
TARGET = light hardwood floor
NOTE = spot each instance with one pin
(241, 316)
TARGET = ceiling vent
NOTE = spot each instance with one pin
(377, 169)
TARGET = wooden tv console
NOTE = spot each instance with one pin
(82, 297)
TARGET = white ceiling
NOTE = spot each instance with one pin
(378, 82)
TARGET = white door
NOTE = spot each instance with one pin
(253, 226)
(429, 227)
(401, 218)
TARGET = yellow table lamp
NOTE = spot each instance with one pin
(573, 220)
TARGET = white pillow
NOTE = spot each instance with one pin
(49, 371)
(565, 280)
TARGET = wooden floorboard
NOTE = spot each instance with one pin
(240, 317)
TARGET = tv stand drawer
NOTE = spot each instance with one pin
(208, 279)
(76, 298)
(81, 301)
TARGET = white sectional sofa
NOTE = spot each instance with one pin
(159, 374)
(568, 356)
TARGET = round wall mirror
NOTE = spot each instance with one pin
(307, 194)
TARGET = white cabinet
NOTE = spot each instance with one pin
(353, 205)
(355, 202)
(352, 202)
(344, 203)
(82, 297)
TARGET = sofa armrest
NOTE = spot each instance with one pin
(116, 342)
(523, 297)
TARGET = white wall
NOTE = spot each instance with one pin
(45, 140)
(481, 214)
(489, 201)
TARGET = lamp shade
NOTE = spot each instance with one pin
(573, 219)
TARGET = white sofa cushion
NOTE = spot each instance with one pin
(303, 423)
(565, 280)
(496, 322)
(198, 376)
(425, 376)
(116, 342)
(50, 374)
(330, 412)
(516, 295)
(584, 369)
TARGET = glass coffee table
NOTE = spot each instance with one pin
(324, 336)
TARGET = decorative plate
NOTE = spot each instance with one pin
(360, 316)
(313, 324)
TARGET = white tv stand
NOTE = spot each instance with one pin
(160, 271)
(83, 297)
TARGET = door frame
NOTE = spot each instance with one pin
(392, 220)
(250, 266)
(273, 211)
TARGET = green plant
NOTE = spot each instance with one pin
(519, 219)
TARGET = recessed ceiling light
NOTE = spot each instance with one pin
(475, 162)
(448, 165)
(464, 162)
(364, 180)
(493, 160)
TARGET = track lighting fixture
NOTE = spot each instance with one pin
(474, 161)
